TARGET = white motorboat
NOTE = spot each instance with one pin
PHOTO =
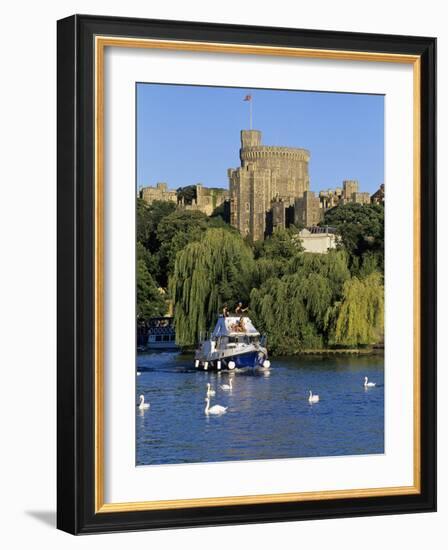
(234, 343)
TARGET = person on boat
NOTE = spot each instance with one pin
(239, 325)
(225, 311)
(239, 310)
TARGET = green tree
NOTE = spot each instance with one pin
(180, 221)
(150, 260)
(207, 273)
(148, 218)
(174, 233)
(333, 266)
(187, 194)
(274, 254)
(268, 268)
(282, 244)
(280, 310)
(368, 264)
(360, 319)
(361, 227)
(150, 301)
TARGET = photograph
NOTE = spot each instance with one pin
(259, 274)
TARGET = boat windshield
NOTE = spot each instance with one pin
(244, 339)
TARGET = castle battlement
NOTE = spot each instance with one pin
(252, 153)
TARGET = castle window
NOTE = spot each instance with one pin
(247, 207)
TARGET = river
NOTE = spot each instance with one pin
(268, 414)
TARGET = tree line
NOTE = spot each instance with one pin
(299, 300)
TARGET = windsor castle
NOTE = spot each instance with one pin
(269, 190)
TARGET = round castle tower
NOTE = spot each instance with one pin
(267, 174)
(288, 165)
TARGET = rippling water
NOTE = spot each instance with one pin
(268, 414)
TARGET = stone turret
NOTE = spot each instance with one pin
(350, 187)
(250, 138)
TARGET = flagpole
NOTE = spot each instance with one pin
(249, 99)
(250, 113)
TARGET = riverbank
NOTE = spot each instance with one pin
(351, 351)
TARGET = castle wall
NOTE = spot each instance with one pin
(278, 215)
(307, 210)
(207, 199)
(361, 198)
(158, 193)
(348, 194)
(259, 202)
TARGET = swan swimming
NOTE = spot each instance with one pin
(216, 409)
(368, 384)
(142, 405)
(227, 387)
(210, 392)
(313, 398)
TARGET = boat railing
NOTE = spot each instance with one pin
(161, 330)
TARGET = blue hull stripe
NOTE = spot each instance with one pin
(250, 359)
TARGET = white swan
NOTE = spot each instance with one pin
(216, 409)
(142, 405)
(368, 384)
(227, 387)
(313, 398)
(210, 392)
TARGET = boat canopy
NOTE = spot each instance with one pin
(234, 325)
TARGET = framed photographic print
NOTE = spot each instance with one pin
(246, 274)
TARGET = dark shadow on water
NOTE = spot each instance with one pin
(48, 517)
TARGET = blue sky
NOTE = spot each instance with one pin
(191, 134)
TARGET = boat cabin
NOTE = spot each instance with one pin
(161, 333)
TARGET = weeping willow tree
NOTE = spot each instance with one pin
(268, 268)
(333, 266)
(360, 318)
(291, 311)
(208, 273)
(296, 310)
